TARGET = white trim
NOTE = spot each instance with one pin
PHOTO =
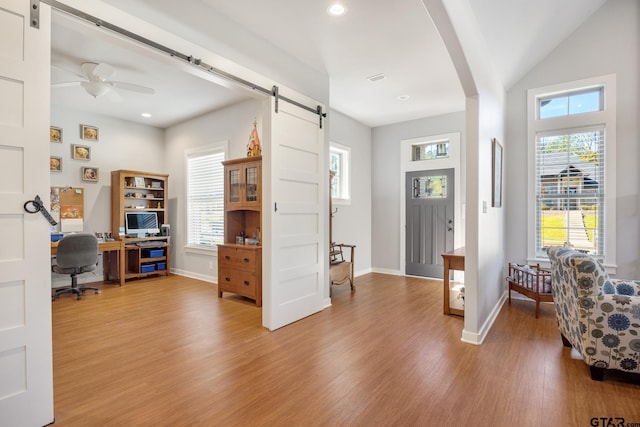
(478, 338)
(607, 117)
(204, 278)
(451, 162)
(387, 271)
(345, 189)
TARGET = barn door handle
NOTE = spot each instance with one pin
(35, 206)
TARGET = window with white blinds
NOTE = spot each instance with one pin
(570, 191)
(205, 198)
(572, 168)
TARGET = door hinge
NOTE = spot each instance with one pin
(34, 15)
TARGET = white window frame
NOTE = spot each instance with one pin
(219, 147)
(605, 118)
(344, 183)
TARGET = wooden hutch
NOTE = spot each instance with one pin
(240, 257)
(135, 191)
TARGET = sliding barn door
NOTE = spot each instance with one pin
(296, 212)
(26, 377)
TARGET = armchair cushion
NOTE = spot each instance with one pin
(598, 315)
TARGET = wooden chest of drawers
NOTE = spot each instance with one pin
(240, 271)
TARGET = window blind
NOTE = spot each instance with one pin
(570, 190)
(205, 199)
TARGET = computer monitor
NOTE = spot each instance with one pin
(141, 223)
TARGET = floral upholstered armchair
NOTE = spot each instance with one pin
(597, 315)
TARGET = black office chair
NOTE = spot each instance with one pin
(77, 253)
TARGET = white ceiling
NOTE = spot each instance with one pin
(395, 38)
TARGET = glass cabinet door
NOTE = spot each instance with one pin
(251, 180)
(234, 186)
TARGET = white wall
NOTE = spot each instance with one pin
(232, 124)
(121, 145)
(385, 182)
(607, 43)
(352, 222)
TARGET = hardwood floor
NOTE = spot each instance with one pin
(168, 352)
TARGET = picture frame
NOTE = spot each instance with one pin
(55, 134)
(89, 133)
(138, 182)
(80, 152)
(496, 172)
(55, 164)
(90, 174)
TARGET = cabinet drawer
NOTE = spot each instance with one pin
(238, 282)
(237, 257)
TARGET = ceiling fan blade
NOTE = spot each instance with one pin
(66, 84)
(103, 71)
(132, 87)
(93, 71)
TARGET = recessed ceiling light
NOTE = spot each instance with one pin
(337, 9)
(403, 97)
(145, 115)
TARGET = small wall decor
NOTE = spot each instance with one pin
(89, 133)
(55, 134)
(90, 174)
(55, 164)
(496, 167)
(80, 152)
(254, 148)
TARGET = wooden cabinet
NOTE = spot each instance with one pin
(240, 265)
(243, 183)
(240, 271)
(136, 191)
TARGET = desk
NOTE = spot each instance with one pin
(453, 260)
(111, 265)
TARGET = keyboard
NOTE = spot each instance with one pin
(150, 243)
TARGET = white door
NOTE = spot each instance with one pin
(26, 375)
(297, 251)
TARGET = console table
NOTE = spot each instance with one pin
(107, 248)
(453, 260)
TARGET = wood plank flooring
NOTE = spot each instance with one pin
(168, 352)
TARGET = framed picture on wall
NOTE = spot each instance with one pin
(90, 174)
(89, 133)
(55, 134)
(55, 164)
(80, 152)
(496, 168)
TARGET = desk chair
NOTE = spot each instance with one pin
(77, 253)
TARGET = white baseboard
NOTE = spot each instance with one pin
(203, 277)
(478, 338)
(386, 271)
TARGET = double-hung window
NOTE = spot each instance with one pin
(572, 169)
(340, 165)
(205, 197)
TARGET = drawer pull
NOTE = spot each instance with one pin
(227, 279)
(246, 260)
(227, 257)
(246, 283)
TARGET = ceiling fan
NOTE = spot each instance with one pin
(95, 80)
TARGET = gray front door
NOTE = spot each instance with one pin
(429, 196)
